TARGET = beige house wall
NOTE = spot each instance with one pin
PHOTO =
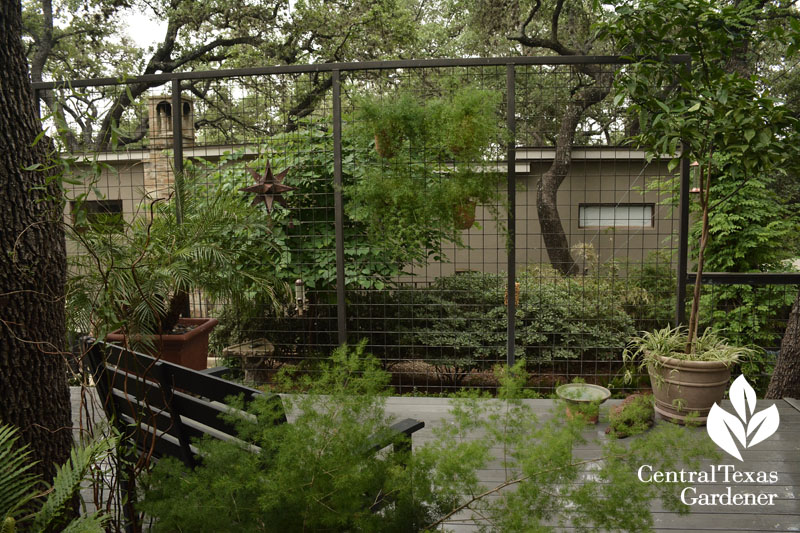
(122, 179)
(598, 176)
(612, 179)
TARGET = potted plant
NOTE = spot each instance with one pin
(685, 382)
(468, 121)
(391, 120)
(583, 399)
(431, 170)
(131, 284)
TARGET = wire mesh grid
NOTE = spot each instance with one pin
(424, 241)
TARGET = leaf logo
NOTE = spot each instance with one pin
(725, 429)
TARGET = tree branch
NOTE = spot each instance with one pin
(552, 43)
(205, 49)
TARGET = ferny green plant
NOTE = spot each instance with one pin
(26, 504)
(314, 474)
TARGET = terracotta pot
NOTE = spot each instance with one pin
(683, 387)
(189, 349)
(583, 400)
(464, 215)
(589, 415)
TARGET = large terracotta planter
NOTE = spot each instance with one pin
(189, 350)
(683, 387)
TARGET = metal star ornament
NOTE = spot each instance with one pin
(269, 188)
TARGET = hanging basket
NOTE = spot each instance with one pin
(385, 144)
(464, 215)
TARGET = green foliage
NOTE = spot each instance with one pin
(726, 121)
(53, 507)
(430, 160)
(312, 474)
(751, 230)
(646, 348)
(17, 485)
(758, 369)
(302, 239)
(300, 242)
(634, 416)
(750, 227)
(466, 122)
(132, 278)
(537, 456)
(747, 314)
(67, 483)
(90, 40)
(655, 279)
(299, 239)
(724, 118)
(394, 121)
(459, 323)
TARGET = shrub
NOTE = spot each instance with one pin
(460, 321)
(312, 475)
(633, 416)
(656, 279)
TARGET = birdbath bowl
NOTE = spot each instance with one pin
(586, 399)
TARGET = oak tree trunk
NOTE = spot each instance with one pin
(553, 235)
(785, 382)
(33, 378)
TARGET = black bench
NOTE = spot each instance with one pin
(162, 407)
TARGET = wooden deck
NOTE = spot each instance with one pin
(780, 453)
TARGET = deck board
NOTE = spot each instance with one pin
(780, 453)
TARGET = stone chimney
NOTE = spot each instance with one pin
(158, 172)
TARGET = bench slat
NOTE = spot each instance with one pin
(209, 386)
(170, 392)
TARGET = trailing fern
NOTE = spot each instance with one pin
(68, 482)
(17, 484)
(18, 488)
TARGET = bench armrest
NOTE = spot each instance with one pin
(397, 435)
(216, 371)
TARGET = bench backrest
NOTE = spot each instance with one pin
(163, 406)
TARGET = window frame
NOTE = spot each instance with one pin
(651, 205)
(98, 207)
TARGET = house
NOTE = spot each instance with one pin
(602, 203)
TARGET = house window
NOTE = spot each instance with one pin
(99, 215)
(616, 215)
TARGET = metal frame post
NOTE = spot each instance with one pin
(177, 148)
(511, 247)
(177, 162)
(683, 239)
(338, 208)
